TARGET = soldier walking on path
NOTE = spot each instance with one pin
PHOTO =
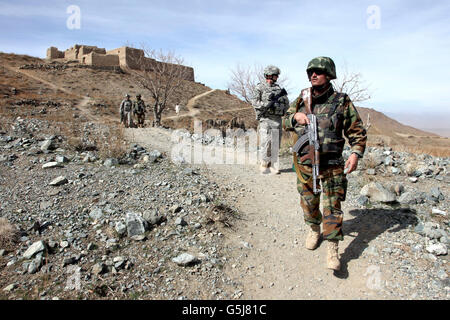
(126, 107)
(336, 117)
(139, 110)
(270, 102)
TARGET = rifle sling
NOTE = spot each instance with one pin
(297, 170)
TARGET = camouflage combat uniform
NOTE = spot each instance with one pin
(336, 116)
(126, 108)
(269, 119)
(139, 111)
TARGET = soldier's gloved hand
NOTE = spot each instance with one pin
(301, 118)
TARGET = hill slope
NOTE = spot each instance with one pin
(69, 83)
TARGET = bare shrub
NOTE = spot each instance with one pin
(244, 80)
(370, 161)
(352, 83)
(8, 234)
(112, 146)
(161, 74)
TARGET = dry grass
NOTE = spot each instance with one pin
(8, 234)
(113, 145)
(370, 161)
(436, 151)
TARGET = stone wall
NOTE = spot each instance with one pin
(101, 60)
(54, 53)
(124, 57)
(72, 53)
(88, 49)
(128, 57)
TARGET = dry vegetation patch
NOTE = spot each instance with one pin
(8, 234)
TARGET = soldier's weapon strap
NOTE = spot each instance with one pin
(297, 170)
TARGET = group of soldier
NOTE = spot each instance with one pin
(336, 117)
(129, 110)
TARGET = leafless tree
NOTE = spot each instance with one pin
(161, 73)
(245, 78)
(352, 84)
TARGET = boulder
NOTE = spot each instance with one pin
(111, 162)
(59, 181)
(35, 248)
(135, 224)
(376, 192)
(438, 249)
(185, 259)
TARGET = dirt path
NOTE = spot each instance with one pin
(269, 259)
(81, 105)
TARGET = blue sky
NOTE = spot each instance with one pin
(405, 61)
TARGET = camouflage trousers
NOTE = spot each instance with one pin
(334, 189)
(140, 119)
(128, 119)
(269, 140)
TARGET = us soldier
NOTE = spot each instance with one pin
(139, 110)
(125, 111)
(336, 116)
(270, 102)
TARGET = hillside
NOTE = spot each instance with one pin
(387, 131)
(71, 86)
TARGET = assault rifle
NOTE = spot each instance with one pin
(310, 139)
(272, 99)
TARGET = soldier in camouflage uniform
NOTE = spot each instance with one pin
(126, 108)
(139, 110)
(337, 117)
(270, 102)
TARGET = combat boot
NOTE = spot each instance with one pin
(264, 168)
(274, 170)
(333, 255)
(312, 239)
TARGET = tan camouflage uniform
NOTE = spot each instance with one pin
(269, 120)
(126, 108)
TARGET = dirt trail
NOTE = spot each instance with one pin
(269, 259)
(81, 105)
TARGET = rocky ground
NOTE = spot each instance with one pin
(90, 228)
(148, 225)
(396, 228)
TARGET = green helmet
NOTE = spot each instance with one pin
(324, 63)
(271, 70)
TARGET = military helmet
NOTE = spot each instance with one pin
(271, 70)
(324, 63)
(138, 95)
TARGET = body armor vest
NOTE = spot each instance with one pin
(279, 106)
(127, 105)
(140, 106)
(330, 119)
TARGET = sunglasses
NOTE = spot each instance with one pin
(316, 71)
